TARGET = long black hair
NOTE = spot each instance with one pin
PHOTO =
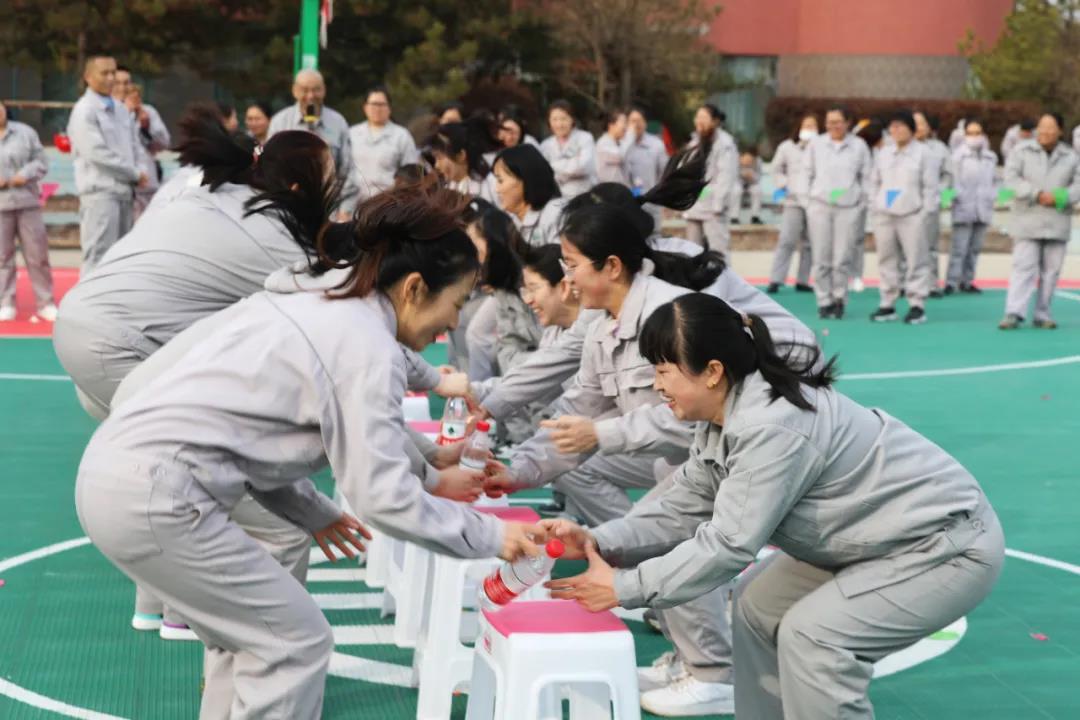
(528, 165)
(603, 230)
(678, 188)
(502, 266)
(692, 330)
(469, 137)
(545, 261)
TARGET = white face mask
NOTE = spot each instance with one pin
(807, 135)
(977, 142)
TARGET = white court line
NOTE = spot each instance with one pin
(1040, 560)
(348, 601)
(336, 574)
(1067, 360)
(363, 634)
(341, 665)
(31, 377)
(1067, 295)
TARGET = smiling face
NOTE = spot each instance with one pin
(591, 285)
(836, 125)
(121, 85)
(543, 298)
(421, 315)
(256, 122)
(689, 396)
(100, 75)
(636, 121)
(377, 109)
(309, 89)
(1048, 132)
(510, 133)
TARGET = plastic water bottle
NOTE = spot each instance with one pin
(454, 421)
(474, 455)
(512, 579)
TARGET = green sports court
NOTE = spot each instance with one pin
(1005, 404)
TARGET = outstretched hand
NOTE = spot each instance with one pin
(343, 534)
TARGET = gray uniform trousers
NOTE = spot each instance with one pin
(228, 587)
(806, 651)
(967, 242)
(103, 219)
(902, 236)
(698, 629)
(711, 234)
(1035, 263)
(858, 250)
(98, 359)
(933, 240)
(833, 233)
(793, 232)
(29, 225)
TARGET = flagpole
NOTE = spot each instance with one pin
(307, 55)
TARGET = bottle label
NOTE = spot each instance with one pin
(496, 589)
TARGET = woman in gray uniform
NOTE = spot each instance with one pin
(526, 189)
(284, 385)
(884, 537)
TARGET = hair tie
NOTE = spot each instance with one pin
(746, 321)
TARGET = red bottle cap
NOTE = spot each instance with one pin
(555, 549)
(483, 426)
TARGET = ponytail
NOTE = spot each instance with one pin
(411, 228)
(681, 183)
(604, 230)
(223, 156)
(693, 330)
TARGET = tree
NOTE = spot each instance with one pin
(1037, 57)
(617, 52)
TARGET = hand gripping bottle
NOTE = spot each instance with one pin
(454, 421)
(512, 579)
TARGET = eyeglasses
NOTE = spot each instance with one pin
(527, 293)
(378, 104)
(568, 270)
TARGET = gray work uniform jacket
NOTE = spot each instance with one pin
(975, 185)
(104, 146)
(276, 393)
(722, 173)
(832, 166)
(574, 161)
(845, 488)
(1030, 170)
(21, 153)
(909, 176)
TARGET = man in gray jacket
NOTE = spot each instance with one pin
(1044, 174)
(106, 174)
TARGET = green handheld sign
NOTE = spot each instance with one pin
(948, 195)
(1061, 198)
(835, 195)
(1005, 195)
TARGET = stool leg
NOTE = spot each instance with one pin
(589, 701)
(439, 672)
(551, 702)
(626, 701)
(483, 689)
(377, 561)
(414, 589)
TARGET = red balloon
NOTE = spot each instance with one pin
(62, 142)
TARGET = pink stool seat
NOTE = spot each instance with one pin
(550, 617)
(511, 514)
(431, 427)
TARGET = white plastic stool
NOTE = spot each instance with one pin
(529, 646)
(405, 589)
(442, 661)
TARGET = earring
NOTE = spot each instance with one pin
(712, 385)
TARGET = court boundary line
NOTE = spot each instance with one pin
(43, 702)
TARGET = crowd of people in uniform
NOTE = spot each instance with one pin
(262, 319)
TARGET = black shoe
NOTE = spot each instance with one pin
(803, 287)
(773, 288)
(970, 289)
(825, 312)
(937, 294)
(838, 310)
(756, 221)
(1044, 324)
(884, 315)
(903, 292)
(949, 289)
(915, 316)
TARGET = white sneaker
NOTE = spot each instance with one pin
(687, 697)
(665, 670)
(7, 313)
(146, 622)
(47, 313)
(857, 285)
(175, 631)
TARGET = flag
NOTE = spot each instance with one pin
(326, 16)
